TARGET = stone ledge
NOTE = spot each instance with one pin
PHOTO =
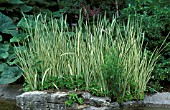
(38, 100)
(158, 99)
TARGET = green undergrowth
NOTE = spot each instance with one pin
(73, 98)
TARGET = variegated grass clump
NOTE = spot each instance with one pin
(128, 66)
(53, 50)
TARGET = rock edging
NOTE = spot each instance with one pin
(38, 100)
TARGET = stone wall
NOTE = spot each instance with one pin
(38, 100)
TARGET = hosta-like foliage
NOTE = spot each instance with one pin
(10, 75)
(6, 25)
(8, 71)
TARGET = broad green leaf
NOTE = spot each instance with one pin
(46, 11)
(64, 10)
(10, 75)
(10, 8)
(12, 56)
(57, 14)
(21, 49)
(2, 66)
(15, 39)
(4, 51)
(46, 3)
(16, 2)
(18, 37)
(12, 59)
(26, 8)
(2, 8)
(23, 23)
(12, 62)
(3, 1)
(4, 47)
(60, 12)
(3, 55)
(6, 25)
(0, 38)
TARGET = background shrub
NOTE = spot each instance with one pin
(155, 15)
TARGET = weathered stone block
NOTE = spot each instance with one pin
(114, 105)
(32, 100)
(99, 101)
(58, 97)
(86, 95)
(158, 98)
(98, 108)
(53, 106)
